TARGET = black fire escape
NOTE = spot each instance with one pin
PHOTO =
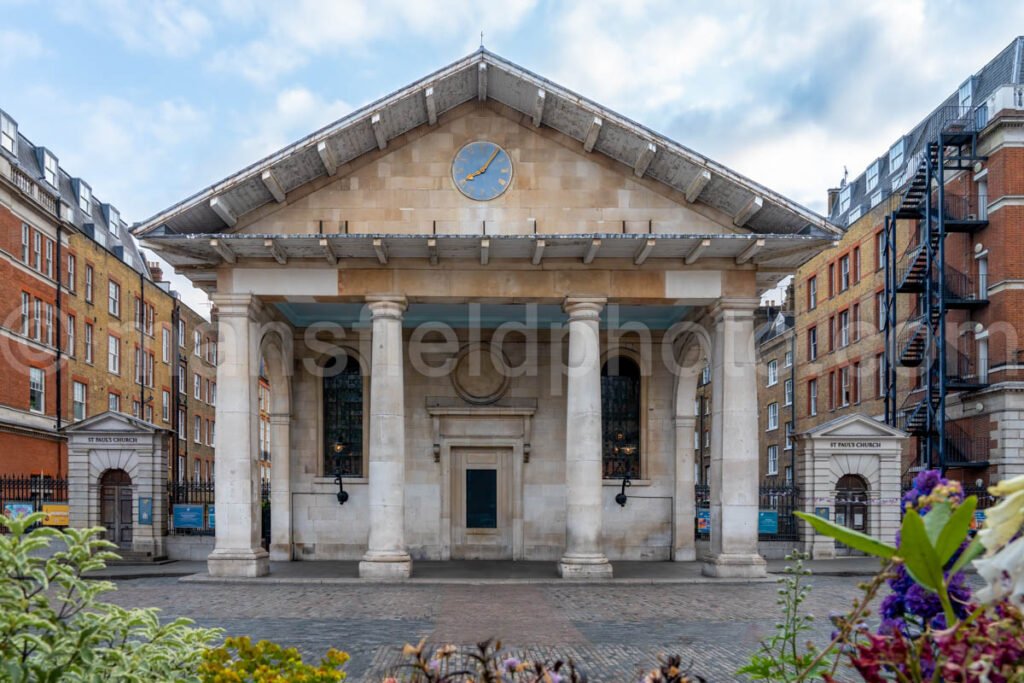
(915, 325)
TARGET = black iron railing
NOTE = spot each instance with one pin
(21, 495)
(779, 501)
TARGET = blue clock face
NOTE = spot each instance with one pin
(482, 170)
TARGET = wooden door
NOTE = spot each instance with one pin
(116, 507)
(481, 504)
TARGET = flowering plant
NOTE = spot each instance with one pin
(931, 629)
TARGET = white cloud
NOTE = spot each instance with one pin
(16, 46)
(295, 112)
(290, 35)
(169, 27)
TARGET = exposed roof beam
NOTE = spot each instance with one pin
(591, 139)
(748, 253)
(223, 250)
(643, 252)
(595, 246)
(332, 258)
(432, 249)
(428, 95)
(697, 250)
(748, 211)
(221, 208)
(697, 185)
(270, 181)
(378, 131)
(381, 250)
(643, 160)
(276, 251)
(485, 251)
(481, 82)
(538, 107)
(327, 157)
(538, 252)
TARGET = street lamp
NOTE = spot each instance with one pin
(339, 449)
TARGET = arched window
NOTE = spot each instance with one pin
(620, 418)
(343, 416)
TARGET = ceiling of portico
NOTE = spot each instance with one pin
(483, 316)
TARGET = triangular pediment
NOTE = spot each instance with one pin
(489, 79)
(553, 187)
(111, 421)
(854, 426)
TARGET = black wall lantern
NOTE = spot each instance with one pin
(623, 454)
(339, 448)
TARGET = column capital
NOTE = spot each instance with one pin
(387, 305)
(583, 308)
(236, 305)
(733, 307)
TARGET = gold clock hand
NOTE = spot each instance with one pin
(483, 168)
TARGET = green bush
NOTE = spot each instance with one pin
(240, 661)
(54, 627)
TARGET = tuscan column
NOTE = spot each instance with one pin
(583, 557)
(280, 484)
(386, 556)
(237, 550)
(734, 443)
(684, 547)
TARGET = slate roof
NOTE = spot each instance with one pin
(483, 73)
(1006, 68)
(117, 239)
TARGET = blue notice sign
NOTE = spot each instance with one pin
(821, 512)
(210, 517)
(767, 522)
(146, 511)
(703, 521)
(188, 516)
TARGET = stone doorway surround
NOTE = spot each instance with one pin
(506, 424)
(115, 441)
(852, 444)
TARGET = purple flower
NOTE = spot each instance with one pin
(510, 664)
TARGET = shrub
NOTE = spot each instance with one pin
(238, 660)
(54, 627)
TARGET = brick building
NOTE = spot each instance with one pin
(775, 394)
(840, 294)
(105, 341)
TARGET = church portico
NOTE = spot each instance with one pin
(499, 362)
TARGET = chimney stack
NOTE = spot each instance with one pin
(155, 272)
(833, 197)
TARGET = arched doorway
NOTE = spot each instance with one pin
(116, 507)
(851, 507)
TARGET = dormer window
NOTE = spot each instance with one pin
(8, 133)
(113, 218)
(844, 199)
(966, 94)
(896, 157)
(84, 198)
(50, 168)
(872, 177)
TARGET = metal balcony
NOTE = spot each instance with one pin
(964, 449)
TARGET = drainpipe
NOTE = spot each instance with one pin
(175, 399)
(57, 338)
(142, 338)
(792, 406)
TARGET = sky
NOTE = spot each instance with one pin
(152, 100)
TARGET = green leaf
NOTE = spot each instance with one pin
(854, 539)
(954, 532)
(970, 552)
(935, 520)
(919, 557)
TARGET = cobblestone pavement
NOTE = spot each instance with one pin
(616, 630)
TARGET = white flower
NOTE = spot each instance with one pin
(1004, 573)
(1003, 521)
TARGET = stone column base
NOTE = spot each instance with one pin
(685, 555)
(734, 566)
(385, 566)
(245, 563)
(281, 552)
(584, 567)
